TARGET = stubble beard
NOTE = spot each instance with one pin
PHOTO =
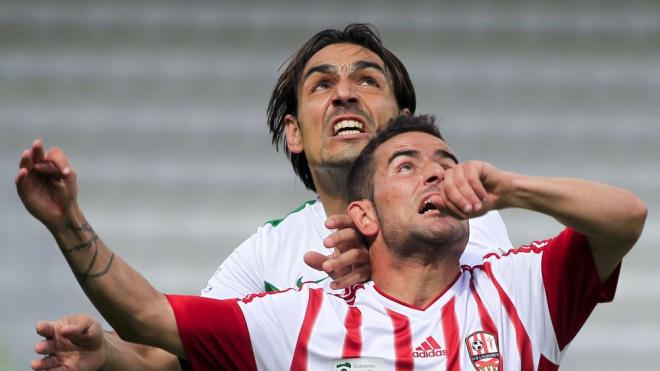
(343, 158)
(422, 244)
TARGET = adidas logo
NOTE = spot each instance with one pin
(429, 348)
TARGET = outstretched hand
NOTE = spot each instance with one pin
(46, 183)
(74, 342)
(349, 262)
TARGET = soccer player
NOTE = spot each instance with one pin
(337, 89)
(410, 199)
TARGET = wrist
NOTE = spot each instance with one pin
(107, 352)
(515, 193)
(71, 226)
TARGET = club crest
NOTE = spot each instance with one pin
(483, 350)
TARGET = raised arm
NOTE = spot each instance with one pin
(611, 218)
(47, 186)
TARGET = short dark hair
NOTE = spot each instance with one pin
(360, 182)
(284, 98)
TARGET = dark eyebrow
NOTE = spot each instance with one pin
(321, 68)
(362, 64)
(406, 152)
(414, 153)
(328, 68)
(446, 154)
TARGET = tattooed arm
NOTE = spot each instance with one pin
(47, 187)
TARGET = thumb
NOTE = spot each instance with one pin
(46, 329)
(80, 329)
(72, 331)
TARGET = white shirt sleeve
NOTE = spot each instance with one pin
(487, 234)
(240, 274)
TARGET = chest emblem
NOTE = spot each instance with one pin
(483, 351)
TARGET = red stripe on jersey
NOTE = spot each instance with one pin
(522, 338)
(402, 341)
(299, 361)
(213, 332)
(452, 340)
(487, 322)
(353, 340)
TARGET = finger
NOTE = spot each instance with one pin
(359, 275)
(339, 221)
(454, 202)
(445, 207)
(453, 211)
(473, 177)
(343, 239)
(26, 160)
(315, 260)
(72, 330)
(46, 363)
(44, 347)
(37, 151)
(462, 177)
(347, 260)
(22, 174)
(460, 193)
(46, 329)
(48, 168)
(56, 155)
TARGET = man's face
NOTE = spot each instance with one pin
(344, 96)
(409, 169)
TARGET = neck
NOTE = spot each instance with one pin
(409, 280)
(331, 187)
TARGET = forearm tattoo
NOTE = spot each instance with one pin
(92, 242)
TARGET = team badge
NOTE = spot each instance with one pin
(483, 350)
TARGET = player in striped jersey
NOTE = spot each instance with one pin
(422, 310)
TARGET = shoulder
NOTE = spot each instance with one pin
(301, 224)
(297, 215)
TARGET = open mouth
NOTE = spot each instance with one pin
(347, 127)
(427, 207)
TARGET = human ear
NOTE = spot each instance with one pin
(405, 112)
(364, 217)
(294, 140)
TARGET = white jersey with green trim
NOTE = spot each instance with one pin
(272, 258)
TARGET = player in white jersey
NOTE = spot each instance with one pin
(423, 310)
(271, 259)
(336, 91)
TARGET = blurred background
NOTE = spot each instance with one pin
(161, 107)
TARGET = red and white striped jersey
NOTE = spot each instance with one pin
(516, 311)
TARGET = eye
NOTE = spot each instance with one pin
(448, 165)
(321, 85)
(369, 81)
(404, 168)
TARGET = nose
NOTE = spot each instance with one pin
(433, 173)
(344, 94)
